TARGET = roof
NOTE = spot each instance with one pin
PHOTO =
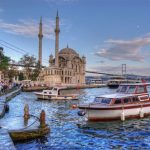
(117, 95)
(145, 84)
(68, 50)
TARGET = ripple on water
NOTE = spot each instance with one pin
(70, 132)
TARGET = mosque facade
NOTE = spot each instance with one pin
(67, 67)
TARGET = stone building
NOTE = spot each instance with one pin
(67, 67)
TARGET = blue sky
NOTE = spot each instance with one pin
(108, 32)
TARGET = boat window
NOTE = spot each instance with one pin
(45, 92)
(119, 88)
(126, 100)
(135, 99)
(97, 99)
(141, 89)
(55, 89)
(123, 89)
(131, 89)
(144, 98)
(117, 101)
(102, 100)
(105, 101)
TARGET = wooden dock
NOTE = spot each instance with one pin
(6, 142)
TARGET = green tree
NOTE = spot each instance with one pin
(4, 61)
(29, 63)
(21, 76)
(36, 71)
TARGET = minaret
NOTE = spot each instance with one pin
(57, 30)
(40, 35)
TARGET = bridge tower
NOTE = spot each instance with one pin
(40, 36)
(124, 69)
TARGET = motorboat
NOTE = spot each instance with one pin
(114, 82)
(55, 94)
(129, 101)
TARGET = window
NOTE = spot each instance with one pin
(140, 89)
(135, 99)
(144, 98)
(102, 100)
(105, 101)
(131, 89)
(117, 101)
(126, 100)
(123, 89)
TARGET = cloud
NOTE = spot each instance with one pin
(125, 50)
(137, 70)
(29, 28)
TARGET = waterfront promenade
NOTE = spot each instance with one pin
(68, 87)
(6, 142)
(20, 128)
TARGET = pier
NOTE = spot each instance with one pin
(68, 87)
(5, 98)
(19, 128)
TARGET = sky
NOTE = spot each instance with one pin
(108, 32)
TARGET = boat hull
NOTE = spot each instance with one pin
(116, 113)
(48, 97)
(115, 86)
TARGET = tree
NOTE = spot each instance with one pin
(4, 61)
(29, 62)
(21, 76)
(36, 71)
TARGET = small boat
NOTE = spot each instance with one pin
(55, 94)
(129, 101)
(114, 82)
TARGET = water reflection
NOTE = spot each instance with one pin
(69, 131)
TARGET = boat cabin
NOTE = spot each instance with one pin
(125, 94)
(54, 91)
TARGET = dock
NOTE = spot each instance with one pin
(6, 142)
(5, 98)
(68, 87)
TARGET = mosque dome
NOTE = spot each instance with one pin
(68, 51)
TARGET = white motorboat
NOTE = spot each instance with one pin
(114, 82)
(55, 94)
(129, 101)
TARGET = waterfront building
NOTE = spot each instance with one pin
(67, 67)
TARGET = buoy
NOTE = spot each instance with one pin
(81, 113)
(6, 107)
(74, 106)
(122, 116)
(141, 113)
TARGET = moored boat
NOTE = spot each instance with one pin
(129, 101)
(55, 94)
(116, 81)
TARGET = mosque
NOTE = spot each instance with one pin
(67, 67)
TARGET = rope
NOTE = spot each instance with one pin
(37, 119)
